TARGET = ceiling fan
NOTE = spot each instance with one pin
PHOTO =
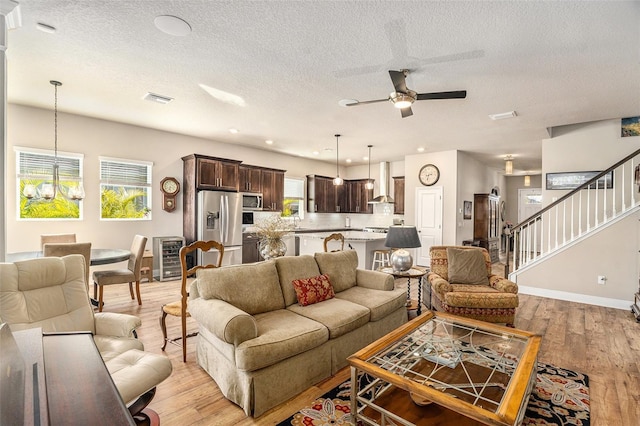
(403, 97)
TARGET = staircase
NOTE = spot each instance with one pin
(591, 207)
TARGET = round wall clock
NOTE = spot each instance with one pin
(429, 174)
(170, 188)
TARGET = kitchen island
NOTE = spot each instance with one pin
(362, 242)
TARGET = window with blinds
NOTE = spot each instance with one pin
(293, 198)
(125, 189)
(34, 167)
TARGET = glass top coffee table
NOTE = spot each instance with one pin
(443, 369)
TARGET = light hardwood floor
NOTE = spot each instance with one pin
(601, 342)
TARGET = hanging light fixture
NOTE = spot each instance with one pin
(508, 165)
(48, 191)
(337, 180)
(527, 180)
(369, 184)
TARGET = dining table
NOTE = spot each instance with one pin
(99, 256)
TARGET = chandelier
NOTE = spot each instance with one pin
(48, 191)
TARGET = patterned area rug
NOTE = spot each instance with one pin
(560, 397)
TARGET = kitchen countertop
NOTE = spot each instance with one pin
(351, 235)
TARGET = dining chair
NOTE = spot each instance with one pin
(338, 237)
(56, 238)
(121, 276)
(63, 249)
(179, 307)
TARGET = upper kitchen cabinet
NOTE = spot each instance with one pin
(358, 196)
(212, 173)
(398, 195)
(250, 178)
(325, 197)
(272, 183)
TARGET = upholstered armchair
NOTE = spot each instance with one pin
(462, 284)
(50, 293)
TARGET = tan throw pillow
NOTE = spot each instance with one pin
(467, 266)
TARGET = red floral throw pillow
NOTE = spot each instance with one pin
(313, 290)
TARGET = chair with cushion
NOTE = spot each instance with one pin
(50, 293)
(64, 249)
(121, 276)
(57, 238)
(179, 307)
(337, 237)
(462, 284)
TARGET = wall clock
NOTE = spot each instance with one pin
(429, 174)
(170, 188)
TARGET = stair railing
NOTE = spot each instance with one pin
(591, 205)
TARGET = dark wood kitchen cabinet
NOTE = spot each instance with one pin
(398, 195)
(212, 173)
(486, 223)
(272, 181)
(323, 196)
(250, 178)
(358, 196)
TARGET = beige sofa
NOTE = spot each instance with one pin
(262, 348)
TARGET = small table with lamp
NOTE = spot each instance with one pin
(411, 273)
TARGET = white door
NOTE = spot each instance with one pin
(428, 222)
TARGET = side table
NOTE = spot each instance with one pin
(411, 273)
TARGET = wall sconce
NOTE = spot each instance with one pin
(508, 165)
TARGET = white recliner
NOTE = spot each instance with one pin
(50, 293)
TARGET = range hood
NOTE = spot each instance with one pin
(384, 186)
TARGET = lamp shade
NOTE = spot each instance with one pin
(401, 238)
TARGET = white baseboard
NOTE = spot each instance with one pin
(576, 297)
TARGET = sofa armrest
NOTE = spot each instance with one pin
(117, 325)
(224, 320)
(193, 290)
(438, 284)
(502, 284)
(374, 279)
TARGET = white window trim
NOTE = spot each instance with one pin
(149, 185)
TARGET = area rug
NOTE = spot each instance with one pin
(560, 397)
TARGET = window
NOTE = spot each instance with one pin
(35, 168)
(125, 189)
(293, 198)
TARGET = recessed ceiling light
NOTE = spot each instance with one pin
(172, 25)
(50, 29)
(421, 149)
(269, 142)
(365, 158)
(348, 160)
(157, 98)
(233, 130)
(316, 152)
(503, 115)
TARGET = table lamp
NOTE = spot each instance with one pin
(399, 238)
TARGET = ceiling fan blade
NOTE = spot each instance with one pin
(399, 81)
(367, 102)
(458, 94)
(406, 112)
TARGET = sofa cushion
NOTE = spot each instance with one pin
(340, 266)
(313, 290)
(291, 268)
(467, 266)
(380, 303)
(338, 315)
(477, 296)
(253, 288)
(281, 334)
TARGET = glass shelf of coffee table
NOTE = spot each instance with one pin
(443, 367)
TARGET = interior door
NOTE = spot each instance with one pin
(530, 203)
(428, 222)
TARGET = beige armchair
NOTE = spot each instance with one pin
(121, 276)
(50, 293)
(462, 284)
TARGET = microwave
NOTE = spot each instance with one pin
(251, 201)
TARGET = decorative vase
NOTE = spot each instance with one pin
(272, 247)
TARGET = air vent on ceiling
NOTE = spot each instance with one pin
(157, 98)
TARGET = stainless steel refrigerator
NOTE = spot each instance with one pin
(220, 219)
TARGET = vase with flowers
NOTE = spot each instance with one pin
(270, 230)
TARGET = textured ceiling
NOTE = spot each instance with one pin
(555, 63)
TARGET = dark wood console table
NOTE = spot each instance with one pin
(77, 390)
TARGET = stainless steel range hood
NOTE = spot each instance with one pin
(384, 186)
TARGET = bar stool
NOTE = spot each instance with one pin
(380, 257)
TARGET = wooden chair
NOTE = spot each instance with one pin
(56, 238)
(64, 249)
(179, 307)
(337, 237)
(121, 276)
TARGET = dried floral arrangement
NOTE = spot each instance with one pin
(273, 227)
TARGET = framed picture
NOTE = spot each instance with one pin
(572, 180)
(467, 210)
(630, 126)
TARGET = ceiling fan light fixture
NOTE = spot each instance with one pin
(402, 100)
